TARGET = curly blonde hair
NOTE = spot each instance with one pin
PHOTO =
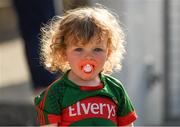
(81, 24)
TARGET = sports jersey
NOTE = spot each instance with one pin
(68, 104)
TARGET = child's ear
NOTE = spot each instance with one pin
(109, 53)
(109, 46)
(65, 56)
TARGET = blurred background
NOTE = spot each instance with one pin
(151, 67)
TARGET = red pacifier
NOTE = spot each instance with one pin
(87, 67)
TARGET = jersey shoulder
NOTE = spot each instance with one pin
(53, 91)
(113, 82)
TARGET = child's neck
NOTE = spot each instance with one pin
(80, 82)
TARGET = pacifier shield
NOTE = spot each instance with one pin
(87, 68)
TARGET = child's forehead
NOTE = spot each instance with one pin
(95, 40)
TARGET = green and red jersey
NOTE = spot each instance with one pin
(68, 104)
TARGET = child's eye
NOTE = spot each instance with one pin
(78, 49)
(98, 49)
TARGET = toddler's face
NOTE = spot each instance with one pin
(87, 61)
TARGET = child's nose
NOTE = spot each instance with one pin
(89, 55)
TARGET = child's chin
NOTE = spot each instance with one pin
(87, 76)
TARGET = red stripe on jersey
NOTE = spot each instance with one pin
(40, 108)
(54, 118)
(125, 120)
(100, 86)
(40, 119)
(93, 107)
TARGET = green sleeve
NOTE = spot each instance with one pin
(126, 112)
(125, 104)
(48, 106)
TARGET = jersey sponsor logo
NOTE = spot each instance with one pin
(91, 107)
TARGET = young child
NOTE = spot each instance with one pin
(86, 44)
